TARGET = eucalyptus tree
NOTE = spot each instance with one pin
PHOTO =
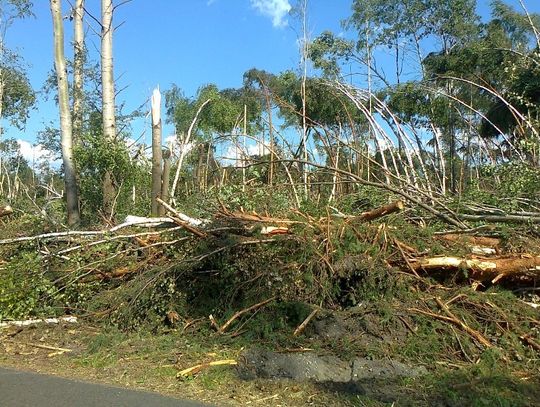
(498, 75)
(66, 129)
(79, 57)
(108, 98)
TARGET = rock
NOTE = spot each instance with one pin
(372, 369)
(259, 363)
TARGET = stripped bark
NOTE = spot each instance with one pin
(524, 269)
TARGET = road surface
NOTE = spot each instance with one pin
(23, 389)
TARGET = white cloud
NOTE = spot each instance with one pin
(234, 154)
(36, 153)
(277, 10)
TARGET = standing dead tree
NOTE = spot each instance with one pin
(156, 150)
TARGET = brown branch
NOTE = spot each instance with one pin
(396, 206)
(303, 325)
(242, 312)
(451, 318)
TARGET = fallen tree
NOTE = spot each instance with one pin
(517, 268)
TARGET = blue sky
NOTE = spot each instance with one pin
(187, 42)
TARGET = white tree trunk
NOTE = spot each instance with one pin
(156, 150)
(70, 179)
(78, 68)
(107, 98)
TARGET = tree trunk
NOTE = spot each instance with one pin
(107, 99)
(78, 69)
(304, 96)
(518, 269)
(156, 151)
(70, 179)
(165, 177)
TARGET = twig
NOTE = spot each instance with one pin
(475, 334)
(242, 312)
(460, 324)
(303, 325)
(37, 345)
(197, 368)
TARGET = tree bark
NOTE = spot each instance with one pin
(70, 179)
(525, 269)
(156, 151)
(382, 211)
(78, 69)
(165, 178)
(107, 99)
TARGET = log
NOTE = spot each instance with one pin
(396, 206)
(5, 210)
(471, 240)
(516, 268)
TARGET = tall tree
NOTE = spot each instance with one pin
(108, 98)
(156, 151)
(79, 56)
(70, 179)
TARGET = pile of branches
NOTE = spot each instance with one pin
(124, 253)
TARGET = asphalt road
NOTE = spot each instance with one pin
(23, 389)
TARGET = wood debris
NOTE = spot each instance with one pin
(190, 371)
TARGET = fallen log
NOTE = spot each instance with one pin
(515, 268)
(5, 210)
(472, 240)
(396, 206)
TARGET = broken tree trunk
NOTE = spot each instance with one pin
(156, 151)
(381, 211)
(516, 268)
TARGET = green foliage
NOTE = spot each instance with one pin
(95, 155)
(18, 97)
(222, 115)
(23, 286)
